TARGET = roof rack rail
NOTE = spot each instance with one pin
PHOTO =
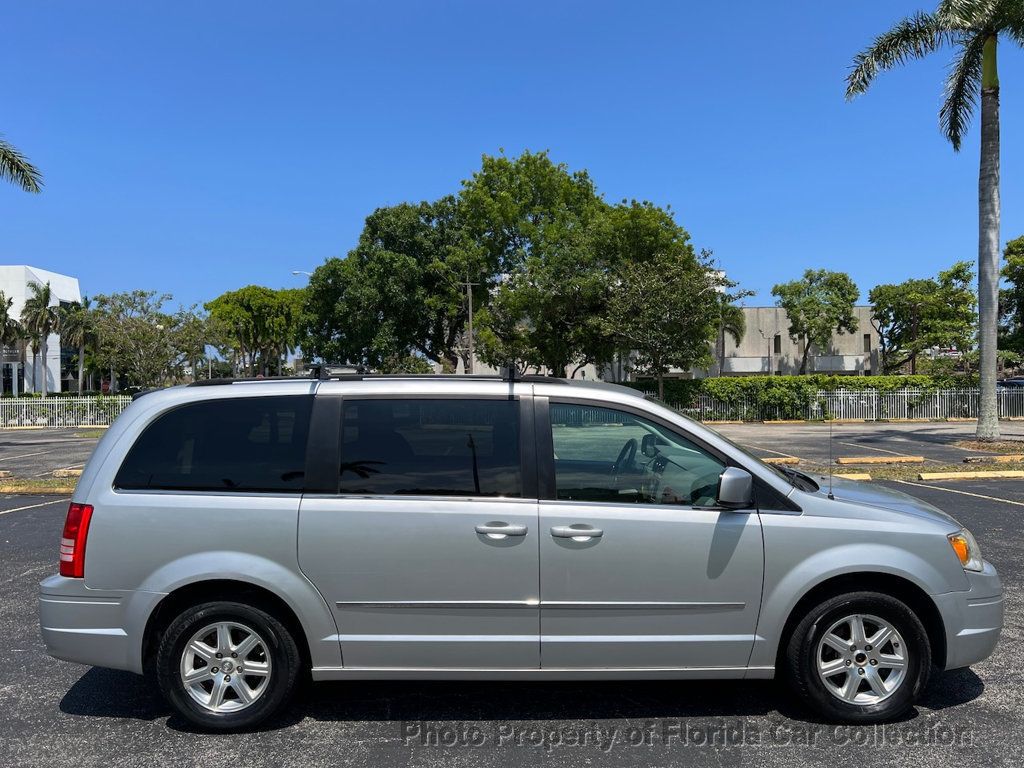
(319, 375)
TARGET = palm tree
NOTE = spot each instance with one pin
(76, 329)
(40, 320)
(731, 322)
(15, 168)
(10, 331)
(972, 28)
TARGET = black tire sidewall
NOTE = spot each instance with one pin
(801, 657)
(281, 647)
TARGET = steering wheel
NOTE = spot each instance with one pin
(626, 457)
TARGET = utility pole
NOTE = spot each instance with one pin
(469, 340)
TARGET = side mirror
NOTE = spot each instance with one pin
(735, 488)
(649, 445)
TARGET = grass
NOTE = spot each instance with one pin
(91, 433)
(997, 446)
(41, 485)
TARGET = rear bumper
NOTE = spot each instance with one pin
(973, 619)
(99, 627)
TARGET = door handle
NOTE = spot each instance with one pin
(576, 532)
(500, 530)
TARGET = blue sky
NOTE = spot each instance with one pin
(195, 147)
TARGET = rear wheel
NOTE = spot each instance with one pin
(862, 657)
(226, 665)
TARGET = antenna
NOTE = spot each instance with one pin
(830, 457)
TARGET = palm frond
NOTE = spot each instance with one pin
(962, 88)
(1010, 20)
(15, 168)
(913, 38)
(968, 15)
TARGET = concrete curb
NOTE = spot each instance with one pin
(853, 475)
(788, 460)
(880, 460)
(1006, 474)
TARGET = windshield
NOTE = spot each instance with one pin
(791, 476)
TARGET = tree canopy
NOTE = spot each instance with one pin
(818, 305)
(924, 313)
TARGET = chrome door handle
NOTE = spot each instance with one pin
(501, 530)
(577, 532)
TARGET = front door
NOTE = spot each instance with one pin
(638, 567)
(428, 552)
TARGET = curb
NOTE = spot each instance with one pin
(853, 475)
(1001, 459)
(1007, 474)
(880, 460)
(788, 460)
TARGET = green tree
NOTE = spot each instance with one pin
(262, 323)
(973, 28)
(15, 168)
(528, 223)
(401, 290)
(920, 314)
(1011, 299)
(136, 337)
(76, 328)
(818, 305)
(40, 316)
(662, 309)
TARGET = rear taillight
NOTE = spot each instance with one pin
(72, 543)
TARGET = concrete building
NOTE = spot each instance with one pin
(20, 375)
(767, 349)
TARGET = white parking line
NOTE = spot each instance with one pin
(769, 450)
(962, 493)
(34, 506)
(24, 455)
(871, 448)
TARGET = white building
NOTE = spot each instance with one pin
(14, 283)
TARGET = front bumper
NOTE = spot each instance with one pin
(973, 619)
(89, 626)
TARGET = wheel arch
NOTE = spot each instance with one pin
(890, 584)
(211, 590)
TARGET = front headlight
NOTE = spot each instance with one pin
(966, 549)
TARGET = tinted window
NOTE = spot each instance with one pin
(613, 456)
(431, 447)
(245, 444)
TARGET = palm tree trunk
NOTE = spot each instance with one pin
(81, 368)
(988, 244)
(43, 351)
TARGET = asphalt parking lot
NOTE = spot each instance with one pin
(32, 453)
(57, 713)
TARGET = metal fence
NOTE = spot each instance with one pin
(869, 404)
(61, 411)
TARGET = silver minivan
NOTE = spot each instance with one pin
(232, 539)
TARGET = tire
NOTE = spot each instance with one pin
(869, 684)
(223, 701)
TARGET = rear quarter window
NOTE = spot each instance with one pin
(252, 444)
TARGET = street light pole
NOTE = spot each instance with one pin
(469, 340)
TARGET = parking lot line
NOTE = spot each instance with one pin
(962, 493)
(24, 455)
(769, 450)
(33, 506)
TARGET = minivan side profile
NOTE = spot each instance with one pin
(235, 538)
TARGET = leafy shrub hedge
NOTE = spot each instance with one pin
(791, 395)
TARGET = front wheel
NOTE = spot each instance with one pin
(862, 657)
(227, 666)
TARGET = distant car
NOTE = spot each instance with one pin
(235, 537)
(1013, 382)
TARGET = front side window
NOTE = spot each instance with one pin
(605, 455)
(430, 447)
(240, 445)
